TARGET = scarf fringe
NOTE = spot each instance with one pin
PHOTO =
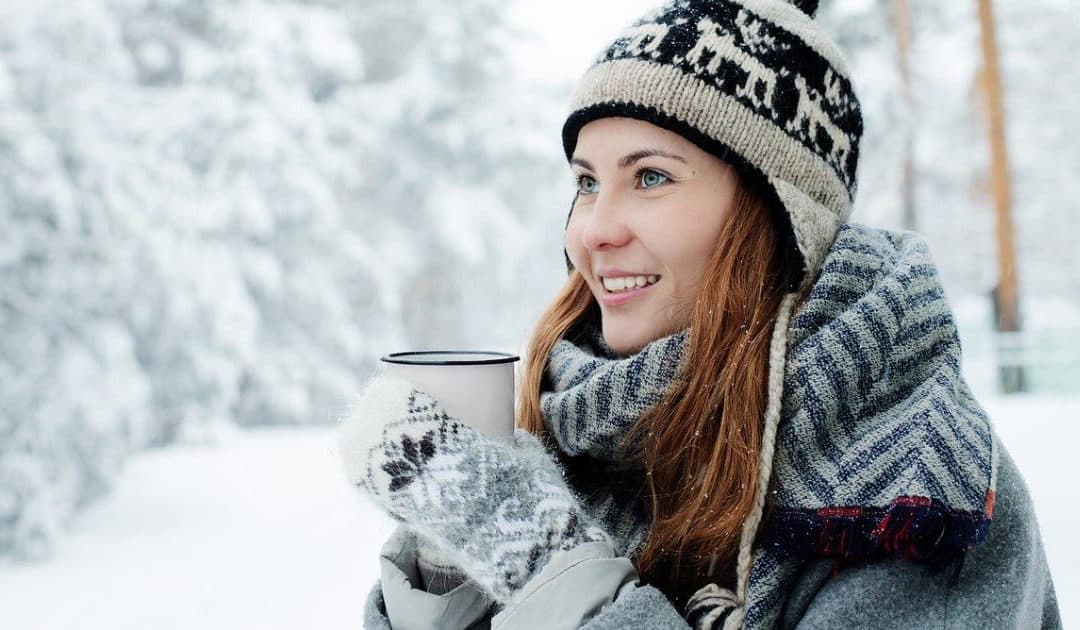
(915, 528)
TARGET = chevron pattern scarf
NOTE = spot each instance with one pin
(880, 450)
(596, 396)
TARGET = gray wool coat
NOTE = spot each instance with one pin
(1003, 583)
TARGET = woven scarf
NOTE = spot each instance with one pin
(880, 450)
(596, 396)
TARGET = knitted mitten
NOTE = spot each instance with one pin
(499, 510)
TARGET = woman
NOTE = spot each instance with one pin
(740, 411)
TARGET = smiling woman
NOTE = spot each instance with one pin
(654, 221)
(752, 411)
(722, 269)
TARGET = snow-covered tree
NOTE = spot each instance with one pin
(226, 211)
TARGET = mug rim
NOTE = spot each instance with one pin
(496, 357)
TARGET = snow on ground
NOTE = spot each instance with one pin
(263, 532)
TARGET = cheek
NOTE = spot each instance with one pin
(574, 248)
(686, 250)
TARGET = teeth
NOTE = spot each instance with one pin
(615, 285)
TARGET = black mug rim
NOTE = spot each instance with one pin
(499, 357)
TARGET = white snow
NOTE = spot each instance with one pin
(263, 532)
(259, 532)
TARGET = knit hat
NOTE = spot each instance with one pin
(754, 82)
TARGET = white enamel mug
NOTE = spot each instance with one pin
(476, 387)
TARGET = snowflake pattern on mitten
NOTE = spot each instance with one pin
(499, 509)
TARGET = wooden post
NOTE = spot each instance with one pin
(901, 21)
(1006, 294)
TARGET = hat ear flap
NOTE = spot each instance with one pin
(569, 265)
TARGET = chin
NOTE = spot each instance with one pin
(625, 350)
(625, 344)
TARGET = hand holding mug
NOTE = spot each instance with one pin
(499, 509)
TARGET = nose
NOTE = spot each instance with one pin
(605, 225)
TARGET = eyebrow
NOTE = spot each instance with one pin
(628, 160)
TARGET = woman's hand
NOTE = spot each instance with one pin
(499, 510)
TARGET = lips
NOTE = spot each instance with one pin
(617, 298)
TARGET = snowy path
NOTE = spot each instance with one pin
(264, 533)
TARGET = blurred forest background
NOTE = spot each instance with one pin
(220, 213)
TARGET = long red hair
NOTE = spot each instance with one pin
(701, 444)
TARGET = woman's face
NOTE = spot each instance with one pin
(648, 215)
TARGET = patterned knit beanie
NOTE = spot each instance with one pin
(754, 82)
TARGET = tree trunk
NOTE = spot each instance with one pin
(1006, 294)
(901, 22)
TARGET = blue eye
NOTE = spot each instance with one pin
(581, 179)
(646, 172)
(647, 176)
